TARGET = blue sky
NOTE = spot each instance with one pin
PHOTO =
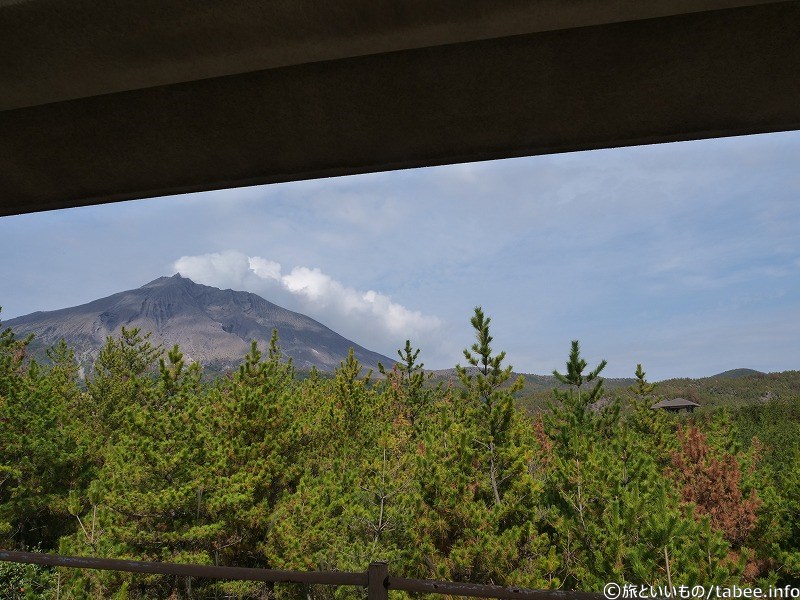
(684, 257)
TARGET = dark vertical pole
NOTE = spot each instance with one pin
(376, 576)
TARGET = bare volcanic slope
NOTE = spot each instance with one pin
(213, 327)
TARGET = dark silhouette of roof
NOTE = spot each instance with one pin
(103, 101)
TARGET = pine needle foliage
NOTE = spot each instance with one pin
(262, 468)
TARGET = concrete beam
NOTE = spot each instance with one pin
(54, 50)
(687, 76)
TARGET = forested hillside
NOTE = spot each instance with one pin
(263, 468)
(712, 393)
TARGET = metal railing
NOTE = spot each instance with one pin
(376, 578)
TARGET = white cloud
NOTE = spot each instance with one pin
(224, 269)
(266, 269)
(367, 317)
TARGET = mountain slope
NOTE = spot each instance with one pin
(212, 326)
(737, 373)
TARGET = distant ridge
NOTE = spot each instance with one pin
(737, 373)
(537, 382)
(533, 382)
(213, 327)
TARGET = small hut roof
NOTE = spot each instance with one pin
(675, 403)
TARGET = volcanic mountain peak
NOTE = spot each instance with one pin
(212, 326)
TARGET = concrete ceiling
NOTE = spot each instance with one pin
(105, 100)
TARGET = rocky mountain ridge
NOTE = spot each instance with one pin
(213, 327)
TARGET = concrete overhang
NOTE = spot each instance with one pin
(105, 100)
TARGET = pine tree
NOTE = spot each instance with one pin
(406, 382)
(486, 393)
(652, 428)
(711, 481)
(254, 458)
(122, 379)
(642, 388)
(351, 391)
(39, 457)
(576, 378)
(614, 515)
(478, 500)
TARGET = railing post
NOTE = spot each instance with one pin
(377, 575)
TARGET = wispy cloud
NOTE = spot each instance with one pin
(368, 317)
